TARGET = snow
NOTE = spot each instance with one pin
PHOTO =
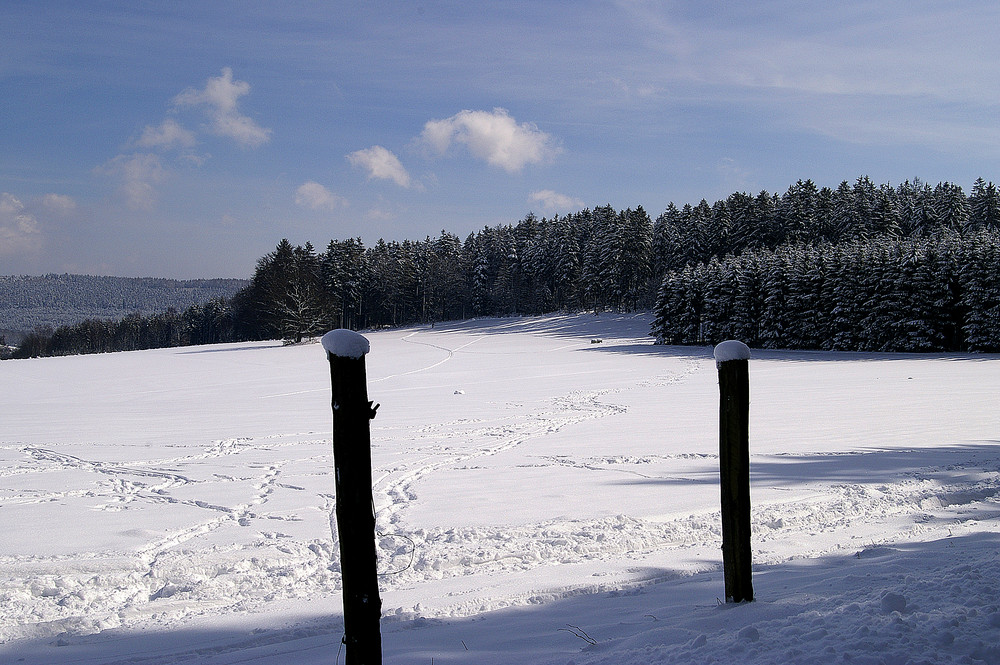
(540, 499)
(731, 350)
(345, 343)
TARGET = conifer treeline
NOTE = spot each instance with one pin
(206, 323)
(892, 294)
(622, 260)
(594, 259)
(59, 299)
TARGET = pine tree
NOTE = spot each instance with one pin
(287, 292)
(825, 229)
(984, 206)
(774, 290)
(566, 271)
(720, 287)
(748, 299)
(601, 260)
(951, 208)
(910, 215)
(805, 316)
(864, 207)
(980, 292)
(344, 270)
(843, 292)
(635, 258)
(798, 212)
(697, 235)
(768, 229)
(844, 222)
(741, 233)
(885, 218)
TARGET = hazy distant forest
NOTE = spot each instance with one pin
(861, 267)
(30, 302)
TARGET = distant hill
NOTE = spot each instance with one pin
(55, 300)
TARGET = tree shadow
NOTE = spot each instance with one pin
(582, 326)
(957, 463)
(894, 602)
(255, 346)
(605, 329)
(954, 464)
(782, 355)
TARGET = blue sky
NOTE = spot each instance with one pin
(185, 139)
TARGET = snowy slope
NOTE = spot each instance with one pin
(541, 497)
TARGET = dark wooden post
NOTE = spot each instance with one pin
(733, 359)
(352, 461)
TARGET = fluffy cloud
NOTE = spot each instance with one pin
(551, 200)
(168, 135)
(219, 99)
(58, 203)
(19, 230)
(494, 137)
(314, 195)
(382, 164)
(137, 173)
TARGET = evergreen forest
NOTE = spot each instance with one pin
(862, 267)
(28, 302)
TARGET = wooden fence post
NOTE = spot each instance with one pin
(732, 359)
(352, 461)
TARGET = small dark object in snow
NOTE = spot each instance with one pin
(596, 341)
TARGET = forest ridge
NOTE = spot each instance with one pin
(30, 302)
(859, 267)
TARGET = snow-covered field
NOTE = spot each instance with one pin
(541, 498)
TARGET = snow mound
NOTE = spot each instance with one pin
(731, 350)
(345, 343)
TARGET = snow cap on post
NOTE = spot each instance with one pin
(731, 350)
(345, 343)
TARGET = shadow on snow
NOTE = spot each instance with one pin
(916, 602)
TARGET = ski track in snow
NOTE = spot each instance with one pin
(201, 568)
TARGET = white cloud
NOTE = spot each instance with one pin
(138, 174)
(494, 137)
(194, 160)
(58, 203)
(219, 99)
(379, 215)
(380, 163)
(314, 195)
(551, 200)
(19, 230)
(168, 135)
(734, 176)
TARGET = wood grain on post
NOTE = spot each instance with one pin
(352, 414)
(732, 359)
